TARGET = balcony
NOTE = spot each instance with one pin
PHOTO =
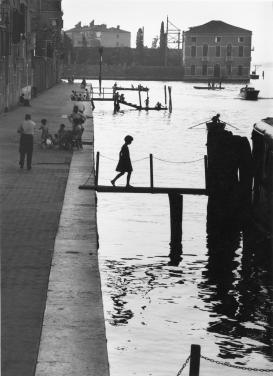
(229, 58)
(205, 58)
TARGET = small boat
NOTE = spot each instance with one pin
(209, 87)
(212, 126)
(249, 93)
(254, 75)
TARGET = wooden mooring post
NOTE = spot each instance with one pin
(97, 168)
(176, 216)
(170, 99)
(151, 171)
(165, 92)
(206, 170)
(139, 94)
(195, 360)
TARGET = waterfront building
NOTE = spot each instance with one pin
(99, 35)
(216, 51)
(30, 48)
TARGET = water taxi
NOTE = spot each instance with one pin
(249, 93)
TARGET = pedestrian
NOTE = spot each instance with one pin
(76, 115)
(147, 102)
(124, 164)
(45, 133)
(26, 130)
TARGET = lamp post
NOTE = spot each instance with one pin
(100, 51)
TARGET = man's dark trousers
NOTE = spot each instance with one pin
(26, 148)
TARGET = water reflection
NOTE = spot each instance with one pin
(237, 289)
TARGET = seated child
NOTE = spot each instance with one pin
(61, 131)
(55, 140)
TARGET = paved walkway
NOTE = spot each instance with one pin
(55, 308)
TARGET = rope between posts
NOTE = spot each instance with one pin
(163, 160)
(178, 162)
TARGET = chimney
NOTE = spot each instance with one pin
(118, 27)
(103, 27)
(79, 24)
(92, 23)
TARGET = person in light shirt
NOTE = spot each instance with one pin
(26, 129)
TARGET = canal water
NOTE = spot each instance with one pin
(155, 310)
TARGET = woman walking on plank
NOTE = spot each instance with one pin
(124, 164)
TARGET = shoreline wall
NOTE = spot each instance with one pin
(138, 73)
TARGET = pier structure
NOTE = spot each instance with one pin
(175, 201)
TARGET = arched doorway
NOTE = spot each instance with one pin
(217, 70)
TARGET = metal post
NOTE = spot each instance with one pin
(206, 170)
(195, 360)
(100, 51)
(151, 171)
(97, 168)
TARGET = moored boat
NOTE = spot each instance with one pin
(249, 93)
(208, 87)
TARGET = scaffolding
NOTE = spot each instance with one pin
(173, 40)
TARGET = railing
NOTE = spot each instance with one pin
(105, 91)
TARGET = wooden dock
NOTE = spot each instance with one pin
(151, 190)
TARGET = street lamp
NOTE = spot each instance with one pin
(100, 51)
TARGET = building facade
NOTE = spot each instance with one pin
(216, 51)
(99, 35)
(30, 48)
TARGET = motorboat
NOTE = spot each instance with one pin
(249, 93)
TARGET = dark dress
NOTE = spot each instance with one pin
(124, 164)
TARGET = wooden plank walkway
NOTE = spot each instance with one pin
(153, 190)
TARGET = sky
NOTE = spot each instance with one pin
(131, 15)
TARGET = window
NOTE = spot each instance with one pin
(228, 70)
(192, 70)
(117, 36)
(193, 39)
(241, 39)
(229, 49)
(205, 49)
(241, 51)
(193, 51)
(54, 22)
(218, 39)
(204, 70)
(80, 42)
(217, 51)
(240, 70)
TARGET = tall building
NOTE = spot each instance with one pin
(216, 50)
(30, 48)
(99, 35)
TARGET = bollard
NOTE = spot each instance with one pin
(97, 168)
(151, 171)
(195, 360)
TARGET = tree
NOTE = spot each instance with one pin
(162, 39)
(139, 40)
(154, 42)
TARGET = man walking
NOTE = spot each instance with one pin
(26, 130)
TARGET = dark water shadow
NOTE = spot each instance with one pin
(237, 287)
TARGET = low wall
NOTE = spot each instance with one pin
(116, 72)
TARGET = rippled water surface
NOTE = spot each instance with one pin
(154, 311)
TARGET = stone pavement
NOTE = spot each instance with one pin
(67, 292)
